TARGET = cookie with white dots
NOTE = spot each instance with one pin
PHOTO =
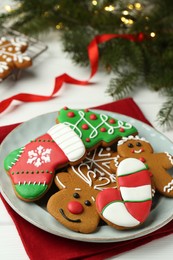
(13, 55)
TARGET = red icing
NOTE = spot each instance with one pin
(70, 114)
(112, 121)
(85, 126)
(139, 210)
(65, 108)
(87, 139)
(86, 110)
(121, 130)
(22, 171)
(103, 129)
(75, 207)
(142, 159)
(93, 117)
(136, 179)
(106, 196)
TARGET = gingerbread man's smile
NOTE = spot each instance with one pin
(137, 151)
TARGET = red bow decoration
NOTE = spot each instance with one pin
(93, 55)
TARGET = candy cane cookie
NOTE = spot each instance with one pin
(158, 163)
(129, 205)
(31, 168)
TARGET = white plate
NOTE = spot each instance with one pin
(36, 214)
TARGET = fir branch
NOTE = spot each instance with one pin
(165, 115)
(122, 85)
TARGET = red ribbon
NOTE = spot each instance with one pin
(93, 55)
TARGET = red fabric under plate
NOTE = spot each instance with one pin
(44, 246)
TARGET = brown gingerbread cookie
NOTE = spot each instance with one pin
(13, 55)
(74, 205)
(99, 161)
(158, 163)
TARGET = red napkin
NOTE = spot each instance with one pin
(45, 246)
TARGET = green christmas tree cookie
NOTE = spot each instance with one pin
(95, 129)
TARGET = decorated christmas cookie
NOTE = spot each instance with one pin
(74, 205)
(95, 129)
(31, 168)
(130, 204)
(99, 161)
(157, 163)
(12, 55)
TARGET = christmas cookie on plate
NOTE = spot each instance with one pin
(128, 206)
(32, 167)
(74, 204)
(99, 161)
(95, 129)
(157, 163)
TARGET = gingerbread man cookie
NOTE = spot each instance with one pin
(95, 129)
(158, 163)
(129, 205)
(12, 55)
(32, 167)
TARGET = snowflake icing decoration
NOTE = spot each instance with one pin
(39, 156)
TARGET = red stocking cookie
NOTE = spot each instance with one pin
(158, 163)
(95, 129)
(31, 168)
(130, 204)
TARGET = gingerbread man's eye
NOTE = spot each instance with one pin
(87, 203)
(76, 195)
(138, 144)
(130, 145)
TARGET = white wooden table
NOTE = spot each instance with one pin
(39, 79)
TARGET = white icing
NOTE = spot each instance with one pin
(39, 156)
(3, 66)
(137, 151)
(168, 187)
(100, 152)
(6, 50)
(97, 163)
(131, 137)
(116, 160)
(18, 41)
(87, 178)
(130, 166)
(90, 176)
(169, 157)
(58, 180)
(68, 141)
(21, 57)
(117, 214)
(140, 193)
(93, 198)
(94, 132)
(101, 185)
